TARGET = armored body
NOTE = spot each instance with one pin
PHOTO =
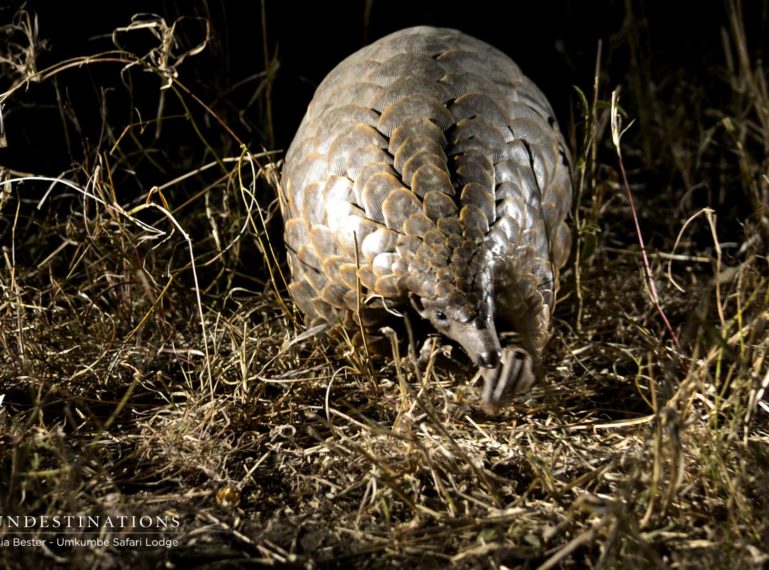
(429, 172)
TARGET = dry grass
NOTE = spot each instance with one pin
(151, 363)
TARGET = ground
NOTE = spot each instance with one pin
(152, 366)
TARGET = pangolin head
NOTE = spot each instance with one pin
(450, 280)
(455, 294)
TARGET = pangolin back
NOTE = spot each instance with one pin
(429, 168)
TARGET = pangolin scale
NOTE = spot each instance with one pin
(430, 172)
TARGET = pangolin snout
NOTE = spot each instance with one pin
(480, 344)
(489, 358)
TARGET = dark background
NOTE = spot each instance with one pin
(554, 42)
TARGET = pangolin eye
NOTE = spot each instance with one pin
(441, 316)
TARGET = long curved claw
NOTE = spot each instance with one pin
(514, 375)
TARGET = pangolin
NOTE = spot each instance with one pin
(429, 172)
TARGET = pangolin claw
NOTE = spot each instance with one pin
(515, 375)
